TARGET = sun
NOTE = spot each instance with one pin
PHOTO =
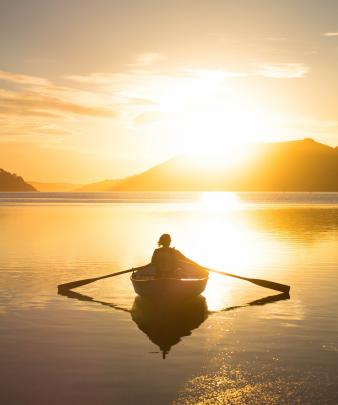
(212, 115)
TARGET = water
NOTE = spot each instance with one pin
(104, 346)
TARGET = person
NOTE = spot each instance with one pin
(167, 259)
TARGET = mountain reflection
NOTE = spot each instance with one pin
(166, 323)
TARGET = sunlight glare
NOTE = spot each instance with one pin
(219, 201)
(208, 113)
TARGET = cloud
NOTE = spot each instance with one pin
(150, 117)
(276, 38)
(148, 97)
(126, 83)
(94, 78)
(148, 59)
(26, 103)
(214, 76)
(53, 129)
(16, 130)
(23, 79)
(17, 111)
(47, 113)
(330, 34)
(283, 70)
(140, 101)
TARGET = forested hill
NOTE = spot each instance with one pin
(12, 182)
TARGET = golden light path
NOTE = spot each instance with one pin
(219, 201)
(219, 237)
(217, 231)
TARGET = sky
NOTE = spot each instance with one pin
(94, 90)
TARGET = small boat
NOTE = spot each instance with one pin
(186, 282)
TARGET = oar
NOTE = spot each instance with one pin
(79, 283)
(262, 283)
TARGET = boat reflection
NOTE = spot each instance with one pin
(166, 323)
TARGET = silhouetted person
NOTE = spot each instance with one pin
(167, 259)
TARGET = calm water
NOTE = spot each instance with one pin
(105, 346)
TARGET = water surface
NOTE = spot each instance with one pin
(238, 344)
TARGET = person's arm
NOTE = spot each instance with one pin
(180, 256)
(153, 258)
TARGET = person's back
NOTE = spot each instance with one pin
(167, 259)
(164, 260)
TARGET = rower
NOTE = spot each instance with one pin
(165, 258)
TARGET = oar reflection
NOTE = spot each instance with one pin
(166, 323)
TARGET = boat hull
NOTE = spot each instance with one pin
(186, 282)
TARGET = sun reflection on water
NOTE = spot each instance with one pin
(217, 235)
(227, 243)
(219, 201)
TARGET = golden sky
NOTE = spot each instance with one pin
(95, 90)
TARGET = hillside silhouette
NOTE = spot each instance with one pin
(12, 182)
(105, 185)
(56, 187)
(303, 165)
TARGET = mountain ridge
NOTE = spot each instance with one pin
(297, 165)
(301, 165)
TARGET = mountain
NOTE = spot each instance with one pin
(303, 165)
(12, 182)
(54, 186)
(105, 185)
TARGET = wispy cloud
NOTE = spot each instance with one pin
(32, 128)
(35, 104)
(96, 78)
(283, 70)
(215, 75)
(148, 59)
(278, 39)
(330, 34)
(23, 79)
(39, 109)
(151, 117)
(149, 96)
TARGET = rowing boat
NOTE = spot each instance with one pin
(185, 282)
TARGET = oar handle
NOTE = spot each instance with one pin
(79, 283)
(262, 283)
(224, 273)
(113, 274)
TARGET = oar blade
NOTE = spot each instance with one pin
(270, 284)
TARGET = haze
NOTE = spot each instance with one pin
(94, 90)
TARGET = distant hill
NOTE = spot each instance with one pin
(12, 182)
(105, 185)
(54, 186)
(303, 165)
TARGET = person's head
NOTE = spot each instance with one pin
(164, 240)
